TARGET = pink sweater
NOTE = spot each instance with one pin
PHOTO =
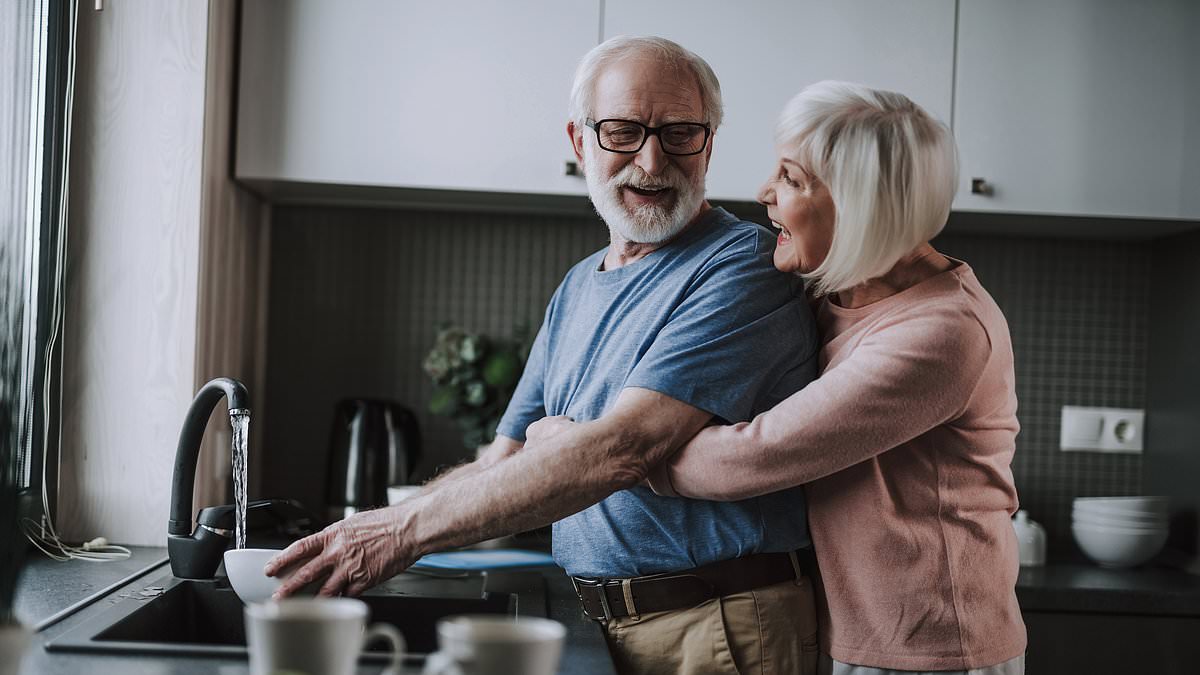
(905, 443)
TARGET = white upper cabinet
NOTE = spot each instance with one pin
(1077, 107)
(462, 95)
(1190, 176)
(765, 52)
(1081, 107)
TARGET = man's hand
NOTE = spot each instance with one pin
(350, 556)
(370, 547)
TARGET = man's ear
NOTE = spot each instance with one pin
(708, 152)
(576, 135)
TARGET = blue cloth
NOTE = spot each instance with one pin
(706, 320)
(491, 559)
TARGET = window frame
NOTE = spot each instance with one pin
(41, 368)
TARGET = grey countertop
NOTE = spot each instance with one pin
(48, 587)
(1154, 591)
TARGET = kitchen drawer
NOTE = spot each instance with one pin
(1099, 644)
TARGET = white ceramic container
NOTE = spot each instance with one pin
(14, 641)
(1031, 540)
(1116, 547)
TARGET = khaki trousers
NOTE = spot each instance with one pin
(767, 631)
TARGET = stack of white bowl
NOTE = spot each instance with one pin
(1120, 531)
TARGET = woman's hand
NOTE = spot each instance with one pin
(548, 427)
(351, 555)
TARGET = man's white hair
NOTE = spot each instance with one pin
(583, 91)
(890, 167)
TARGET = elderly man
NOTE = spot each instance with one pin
(681, 321)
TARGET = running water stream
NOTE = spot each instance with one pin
(241, 429)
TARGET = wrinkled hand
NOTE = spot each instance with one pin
(547, 427)
(351, 555)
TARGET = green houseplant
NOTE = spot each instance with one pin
(474, 377)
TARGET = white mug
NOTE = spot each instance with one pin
(496, 645)
(317, 636)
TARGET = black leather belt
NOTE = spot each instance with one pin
(605, 599)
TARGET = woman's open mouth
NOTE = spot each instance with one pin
(784, 235)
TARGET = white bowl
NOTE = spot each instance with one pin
(1121, 520)
(1114, 547)
(1117, 507)
(1118, 527)
(1120, 513)
(1156, 505)
(1128, 517)
(244, 566)
(1118, 523)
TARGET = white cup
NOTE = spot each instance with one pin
(493, 645)
(244, 567)
(314, 636)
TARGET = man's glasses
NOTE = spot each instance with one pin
(627, 136)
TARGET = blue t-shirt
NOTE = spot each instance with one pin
(706, 320)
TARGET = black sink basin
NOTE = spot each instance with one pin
(183, 616)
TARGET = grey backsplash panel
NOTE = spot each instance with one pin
(1078, 313)
(356, 295)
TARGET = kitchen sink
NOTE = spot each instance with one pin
(190, 617)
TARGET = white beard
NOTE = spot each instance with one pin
(644, 224)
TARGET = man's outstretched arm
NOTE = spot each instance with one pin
(544, 482)
(499, 449)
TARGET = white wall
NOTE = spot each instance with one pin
(135, 180)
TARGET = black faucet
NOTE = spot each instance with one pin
(196, 555)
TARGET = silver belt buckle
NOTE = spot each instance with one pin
(599, 585)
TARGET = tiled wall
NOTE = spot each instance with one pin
(356, 295)
(1078, 314)
(355, 299)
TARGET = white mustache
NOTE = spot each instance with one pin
(633, 176)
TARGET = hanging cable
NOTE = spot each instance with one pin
(43, 535)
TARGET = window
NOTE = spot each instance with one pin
(36, 39)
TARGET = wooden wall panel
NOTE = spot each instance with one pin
(129, 352)
(232, 225)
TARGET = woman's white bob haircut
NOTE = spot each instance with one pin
(890, 167)
(583, 91)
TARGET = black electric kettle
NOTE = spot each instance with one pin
(373, 444)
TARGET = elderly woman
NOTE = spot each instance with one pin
(904, 442)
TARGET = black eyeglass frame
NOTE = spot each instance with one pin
(647, 132)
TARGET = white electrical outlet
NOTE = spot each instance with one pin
(1101, 429)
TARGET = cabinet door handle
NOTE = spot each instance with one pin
(980, 186)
